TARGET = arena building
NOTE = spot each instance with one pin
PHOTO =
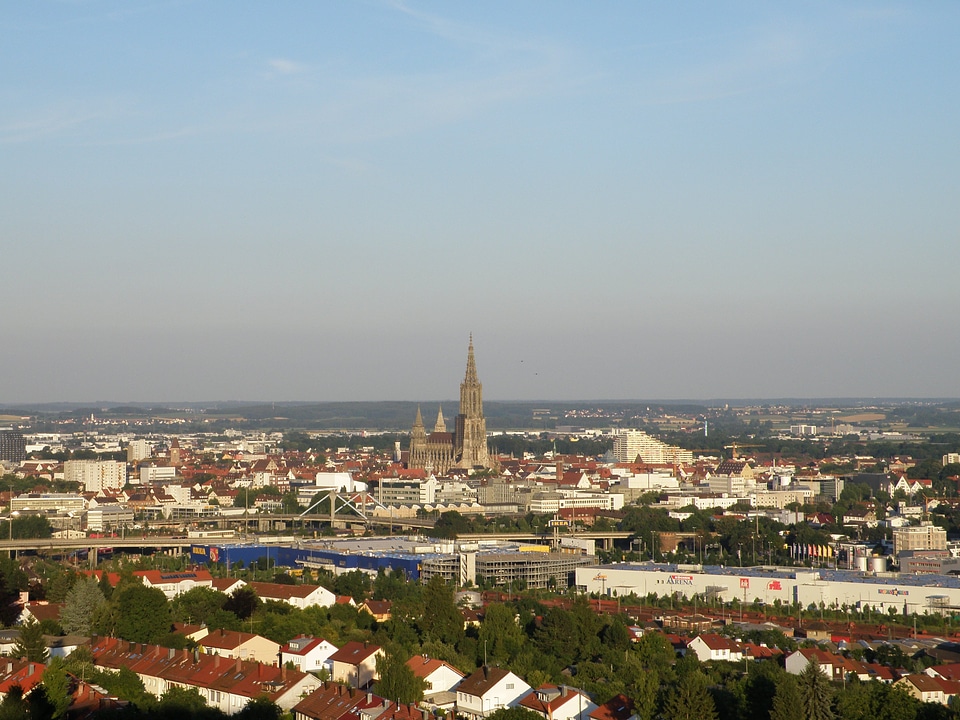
(832, 588)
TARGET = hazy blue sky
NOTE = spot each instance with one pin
(321, 200)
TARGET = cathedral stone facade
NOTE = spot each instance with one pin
(465, 447)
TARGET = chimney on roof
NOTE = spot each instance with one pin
(239, 666)
(283, 673)
(170, 653)
(216, 662)
(369, 697)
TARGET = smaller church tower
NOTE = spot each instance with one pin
(441, 426)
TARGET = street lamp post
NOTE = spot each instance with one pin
(13, 514)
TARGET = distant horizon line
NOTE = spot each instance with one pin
(666, 401)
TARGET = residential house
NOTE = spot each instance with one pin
(835, 667)
(191, 632)
(308, 654)
(488, 689)
(619, 707)
(27, 675)
(356, 663)
(40, 610)
(438, 675)
(227, 585)
(380, 609)
(300, 596)
(330, 701)
(712, 647)
(224, 683)
(558, 703)
(926, 688)
(174, 583)
(242, 645)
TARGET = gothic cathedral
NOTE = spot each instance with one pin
(466, 446)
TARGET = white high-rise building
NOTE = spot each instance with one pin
(96, 475)
(926, 536)
(628, 444)
(138, 450)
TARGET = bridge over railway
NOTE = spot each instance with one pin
(176, 542)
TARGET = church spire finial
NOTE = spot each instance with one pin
(419, 421)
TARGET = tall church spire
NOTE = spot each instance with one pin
(471, 376)
(419, 421)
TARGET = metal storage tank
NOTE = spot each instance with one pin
(878, 564)
(862, 563)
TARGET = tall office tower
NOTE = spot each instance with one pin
(13, 448)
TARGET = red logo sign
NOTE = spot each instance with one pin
(744, 582)
(774, 585)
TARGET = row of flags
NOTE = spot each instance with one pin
(801, 551)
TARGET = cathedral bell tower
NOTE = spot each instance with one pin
(466, 446)
(471, 432)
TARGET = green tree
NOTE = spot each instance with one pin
(13, 706)
(197, 605)
(655, 651)
(815, 693)
(556, 638)
(31, 644)
(127, 685)
(450, 524)
(143, 614)
(389, 585)
(56, 683)
(81, 605)
(289, 504)
(690, 699)
(31, 526)
(643, 686)
(243, 602)
(514, 713)
(397, 680)
(105, 587)
(39, 705)
(356, 584)
(501, 638)
(260, 708)
(179, 702)
(441, 620)
(787, 704)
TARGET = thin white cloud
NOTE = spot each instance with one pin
(47, 125)
(282, 66)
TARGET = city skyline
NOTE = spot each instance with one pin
(212, 202)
